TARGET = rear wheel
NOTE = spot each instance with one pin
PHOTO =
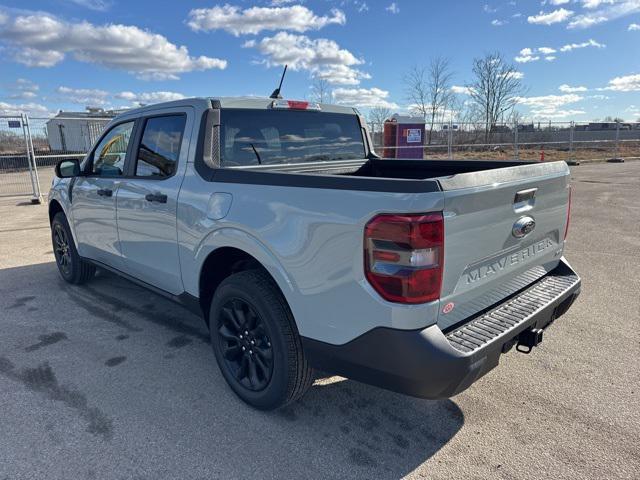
(256, 342)
(71, 266)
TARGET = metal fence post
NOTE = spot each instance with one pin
(450, 140)
(617, 145)
(572, 157)
(37, 196)
(515, 141)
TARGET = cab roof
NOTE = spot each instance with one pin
(204, 103)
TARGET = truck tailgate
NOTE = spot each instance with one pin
(492, 247)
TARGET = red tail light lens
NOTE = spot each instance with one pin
(566, 229)
(404, 256)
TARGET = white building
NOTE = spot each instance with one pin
(77, 131)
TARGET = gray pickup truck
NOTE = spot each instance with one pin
(302, 249)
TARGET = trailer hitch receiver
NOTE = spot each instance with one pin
(529, 339)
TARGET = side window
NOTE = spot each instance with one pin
(160, 146)
(110, 154)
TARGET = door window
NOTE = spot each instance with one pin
(110, 154)
(160, 146)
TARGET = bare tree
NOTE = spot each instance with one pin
(377, 116)
(428, 89)
(321, 91)
(516, 117)
(495, 89)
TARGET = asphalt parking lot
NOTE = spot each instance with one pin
(109, 381)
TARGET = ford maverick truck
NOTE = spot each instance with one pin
(303, 250)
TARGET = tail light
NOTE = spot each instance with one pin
(404, 256)
(566, 229)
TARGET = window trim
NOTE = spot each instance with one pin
(87, 169)
(132, 162)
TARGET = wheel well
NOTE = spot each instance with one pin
(220, 264)
(54, 208)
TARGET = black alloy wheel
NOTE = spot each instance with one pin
(72, 267)
(245, 344)
(256, 341)
(62, 250)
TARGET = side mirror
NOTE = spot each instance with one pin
(68, 168)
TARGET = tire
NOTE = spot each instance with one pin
(249, 312)
(72, 267)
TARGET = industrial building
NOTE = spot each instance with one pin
(77, 131)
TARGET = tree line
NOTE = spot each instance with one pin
(489, 98)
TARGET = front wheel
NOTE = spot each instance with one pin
(256, 342)
(71, 266)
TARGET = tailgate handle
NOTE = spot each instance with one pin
(525, 195)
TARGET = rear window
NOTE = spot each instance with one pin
(262, 137)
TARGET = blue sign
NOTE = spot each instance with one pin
(14, 124)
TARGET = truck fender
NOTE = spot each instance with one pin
(248, 243)
(61, 197)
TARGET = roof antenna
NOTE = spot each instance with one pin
(276, 92)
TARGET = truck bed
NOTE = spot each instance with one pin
(426, 169)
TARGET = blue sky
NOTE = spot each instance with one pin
(580, 59)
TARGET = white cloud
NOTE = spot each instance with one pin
(601, 11)
(98, 5)
(633, 27)
(459, 89)
(256, 19)
(393, 8)
(23, 89)
(321, 57)
(626, 83)
(559, 2)
(515, 75)
(526, 56)
(552, 106)
(556, 16)
(363, 97)
(83, 96)
(99, 98)
(147, 98)
(534, 54)
(590, 4)
(588, 43)
(498, 23)
(569, 89)
(42, 40)
(34, 109)
(549, 100)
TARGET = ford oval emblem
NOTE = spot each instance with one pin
(523, 227)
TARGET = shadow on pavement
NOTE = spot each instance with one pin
(142, 365)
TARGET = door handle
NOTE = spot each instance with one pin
(156, 197)
(105, 192)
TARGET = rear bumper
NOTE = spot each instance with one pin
(430, 363)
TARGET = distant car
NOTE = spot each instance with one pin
(303, 249)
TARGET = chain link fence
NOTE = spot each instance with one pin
(18, 171)
(548, 141)
(31, 146)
